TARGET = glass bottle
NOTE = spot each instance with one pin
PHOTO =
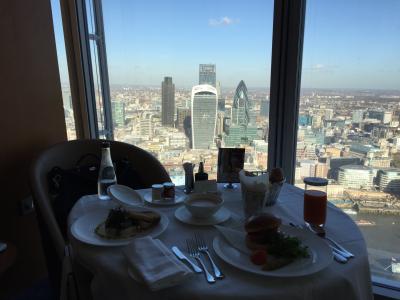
(106, 173)
(315, 200)
(201, 175)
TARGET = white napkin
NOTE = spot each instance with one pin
(155, 263)
(254, 183)
(253, 192)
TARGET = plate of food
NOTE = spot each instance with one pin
(266, 247)
(118, 226)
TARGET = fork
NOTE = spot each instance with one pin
(321, 232)
(338, 255)
(194, 252)
(202, 247)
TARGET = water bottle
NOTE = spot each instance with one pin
(106, 173)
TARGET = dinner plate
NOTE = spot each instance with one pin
(83, 229)
(180, 196)
(183, 215)
(320, 255)
(124, 195)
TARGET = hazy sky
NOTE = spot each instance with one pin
(348, 43)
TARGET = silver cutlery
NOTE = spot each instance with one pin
(193, 252)
(321, 232)
(202, 247)
(337, 245)
(182, 256)
(337, 254)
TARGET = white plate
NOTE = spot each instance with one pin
(124, 195)
(320, 255)
(179, 198)
(83, 229)
(183, 215)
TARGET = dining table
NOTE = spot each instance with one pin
(111, 279)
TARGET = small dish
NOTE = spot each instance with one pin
(183, 215)
(124, 195)
(203, 205)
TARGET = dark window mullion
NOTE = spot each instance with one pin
(103, 68)
(287, 49)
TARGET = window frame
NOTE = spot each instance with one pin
(286, 69)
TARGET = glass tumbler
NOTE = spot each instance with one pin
(315, 200)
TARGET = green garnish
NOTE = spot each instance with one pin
(287, 247)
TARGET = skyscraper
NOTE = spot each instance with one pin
(204, 116)
(118, 113)
(240, 130)
(167, 102)
(240, 110)
(207, 74)
(221, 101)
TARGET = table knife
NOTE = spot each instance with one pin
(182, 256)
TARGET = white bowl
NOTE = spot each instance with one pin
(203, 205)
(124, 195)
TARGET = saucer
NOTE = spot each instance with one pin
(183, 215)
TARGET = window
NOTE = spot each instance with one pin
(182, 78)
(188, 77)
(348, 125)
(63, 68)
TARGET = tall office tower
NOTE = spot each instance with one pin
(240, 110)
(221, 101)
(207, 74)
(167, 102)
(220, 123)
(204, 116)
(118, 113)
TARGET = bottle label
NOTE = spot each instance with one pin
(108, 173)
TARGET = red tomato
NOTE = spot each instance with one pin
(259, 257)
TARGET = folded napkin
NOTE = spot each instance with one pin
(254, 183)
(155, 263)
(253, 192)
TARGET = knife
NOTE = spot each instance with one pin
(182, 256)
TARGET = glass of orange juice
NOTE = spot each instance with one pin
(315, 200)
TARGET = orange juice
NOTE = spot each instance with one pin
(315, 207)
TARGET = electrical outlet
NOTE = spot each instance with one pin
(26, 206)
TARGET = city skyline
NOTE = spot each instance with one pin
(345, 45)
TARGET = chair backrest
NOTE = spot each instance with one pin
(65, 155)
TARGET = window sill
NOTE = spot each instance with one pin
(385, 289)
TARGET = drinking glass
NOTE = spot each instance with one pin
(315, 199)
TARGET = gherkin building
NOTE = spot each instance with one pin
(240, 111)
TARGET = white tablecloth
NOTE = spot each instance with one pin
(339, 281)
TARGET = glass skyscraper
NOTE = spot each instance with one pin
(207, 74)
(240, 109)
(167, 102)
(204, 116)
(118, 113)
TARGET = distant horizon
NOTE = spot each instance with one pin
(346, 45)
(64, 84)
